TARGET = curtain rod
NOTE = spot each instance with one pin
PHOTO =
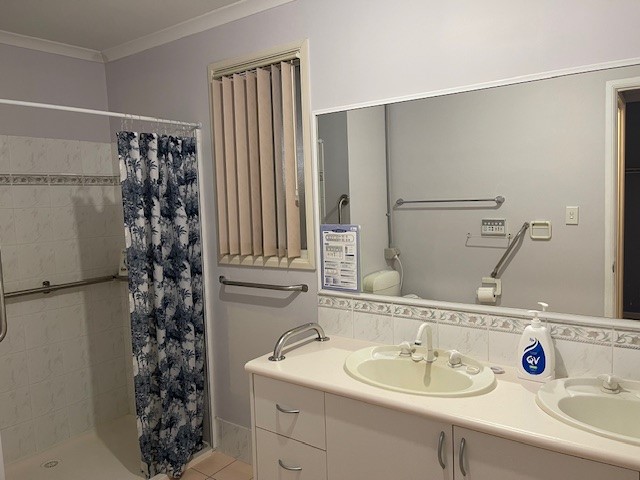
(6, 101)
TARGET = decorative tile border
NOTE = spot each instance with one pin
(416, 313)
(507, 324)
(463, 319)
(84, 180)
(335, 302)
(626, 339)
(581, 334)
(372, 307)
(574, 332)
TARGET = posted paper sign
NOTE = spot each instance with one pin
(340, 257)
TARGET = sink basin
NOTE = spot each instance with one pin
(582, 403)
(384, 368)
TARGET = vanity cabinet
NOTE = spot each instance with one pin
(369, 442)
(487, 457)
(304, 434)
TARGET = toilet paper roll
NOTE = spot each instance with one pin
(487, 294)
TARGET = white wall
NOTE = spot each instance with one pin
(332, 130)
(35, 76)
(541, 145)
(361, 51)
(368, 184)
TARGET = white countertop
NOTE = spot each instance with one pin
(508, 411)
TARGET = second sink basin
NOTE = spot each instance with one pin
(582, 403)
(384, 368)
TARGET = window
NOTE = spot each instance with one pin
(262, 159)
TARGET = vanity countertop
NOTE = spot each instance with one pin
(508, 411)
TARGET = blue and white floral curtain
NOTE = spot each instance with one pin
(160, 198)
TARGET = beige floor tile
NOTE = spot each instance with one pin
(192, 474)
(213, 464)
(236, 471)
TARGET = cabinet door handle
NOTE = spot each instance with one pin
(440, 446)
(287, 467)
(463, 446)
(285, 410)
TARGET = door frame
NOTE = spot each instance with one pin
(613, 200)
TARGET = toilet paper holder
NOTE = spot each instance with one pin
(494, 284)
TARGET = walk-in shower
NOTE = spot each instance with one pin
(67, 389)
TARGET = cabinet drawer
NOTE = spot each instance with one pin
(276, 454)
(289, 410)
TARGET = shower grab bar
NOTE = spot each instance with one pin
(511, 246)
(3, 309)
(499, 200)
(266, 286)
(48, 288)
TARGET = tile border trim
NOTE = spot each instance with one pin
(53, 180)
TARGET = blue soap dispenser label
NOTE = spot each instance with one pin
(533, 359)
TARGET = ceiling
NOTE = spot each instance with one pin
(99, 24)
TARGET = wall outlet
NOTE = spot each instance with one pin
(391, 252)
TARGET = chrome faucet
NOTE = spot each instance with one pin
(431, 356)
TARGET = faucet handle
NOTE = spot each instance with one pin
(455, 358)
(610, 383)
(406, 349)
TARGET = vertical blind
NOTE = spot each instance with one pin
(254, 115)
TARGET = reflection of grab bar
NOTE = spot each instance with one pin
(342, 201)
(3, 309)
(523, 229)
(499, 200)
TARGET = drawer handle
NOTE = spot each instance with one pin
(440, 445)
(284, 410)
(287, 467)
(463, 446)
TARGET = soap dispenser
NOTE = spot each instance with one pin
(536, 353)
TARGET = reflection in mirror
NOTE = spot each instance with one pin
(539, 144)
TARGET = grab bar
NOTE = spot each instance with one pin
(511, 246)
(307, 327)
(266, 286)
(47, 288)
(499, 200)
(342, 201)
(3, 308)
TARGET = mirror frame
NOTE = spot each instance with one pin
(610, 205)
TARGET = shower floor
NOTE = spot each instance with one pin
(109, 452)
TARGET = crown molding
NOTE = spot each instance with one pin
(48, 46)
(209, 20)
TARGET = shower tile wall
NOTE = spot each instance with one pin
(64, 366)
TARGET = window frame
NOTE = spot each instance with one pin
(296, 50)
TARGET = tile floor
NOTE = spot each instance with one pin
(219, 466)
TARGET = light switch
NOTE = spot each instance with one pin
(572, 214)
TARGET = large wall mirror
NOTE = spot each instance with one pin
(539, 144)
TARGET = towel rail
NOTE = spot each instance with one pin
(266, 286)
(499, 200)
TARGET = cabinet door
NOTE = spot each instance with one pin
(374, 443)
(487, 457)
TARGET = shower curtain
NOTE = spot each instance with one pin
(160, 199)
